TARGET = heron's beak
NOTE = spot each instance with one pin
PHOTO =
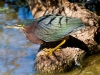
(16, 26)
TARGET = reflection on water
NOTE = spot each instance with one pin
(26, 15)
(17, 54)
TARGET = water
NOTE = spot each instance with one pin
(17, 54)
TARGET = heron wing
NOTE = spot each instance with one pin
(53, 28)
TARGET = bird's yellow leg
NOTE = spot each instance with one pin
(58, 46)
(51, 50)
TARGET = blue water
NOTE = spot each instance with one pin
(17, 54)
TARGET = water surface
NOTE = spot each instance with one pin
(17, 54)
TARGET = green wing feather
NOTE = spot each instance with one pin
(55, 27)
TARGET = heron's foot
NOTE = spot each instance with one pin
(50, 51)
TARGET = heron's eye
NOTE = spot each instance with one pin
(23, 25)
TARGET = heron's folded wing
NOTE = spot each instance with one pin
(54, 28)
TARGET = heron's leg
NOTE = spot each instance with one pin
(58, 46)
(51, 50)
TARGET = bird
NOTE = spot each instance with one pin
(50, 28)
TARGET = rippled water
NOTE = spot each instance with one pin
(17, 54)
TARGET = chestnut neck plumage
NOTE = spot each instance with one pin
(30, 33)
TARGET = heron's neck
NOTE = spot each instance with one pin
(29, 28)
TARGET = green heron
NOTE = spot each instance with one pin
(50, 28)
